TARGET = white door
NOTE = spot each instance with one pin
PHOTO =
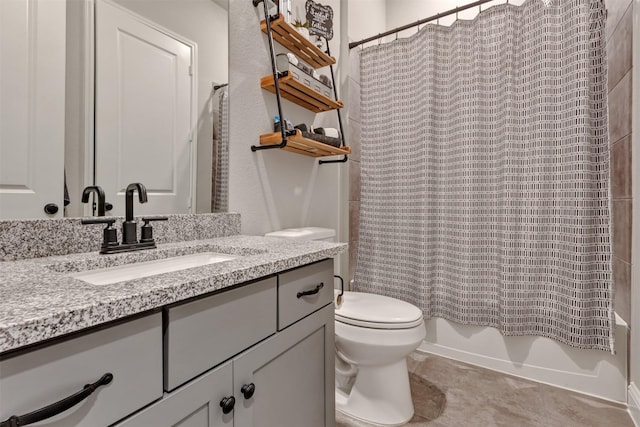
(32, 91)
(143, 112)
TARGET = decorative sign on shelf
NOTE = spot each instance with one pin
(320, 19)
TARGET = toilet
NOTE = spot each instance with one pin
(374, 336)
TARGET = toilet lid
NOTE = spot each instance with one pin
(377, 311)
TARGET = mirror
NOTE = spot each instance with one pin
(202, 22)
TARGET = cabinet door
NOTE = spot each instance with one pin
(292, 374)
(196, 404)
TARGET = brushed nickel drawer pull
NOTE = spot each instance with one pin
(311, 292)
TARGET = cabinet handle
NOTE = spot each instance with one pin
(57, 407)
(227, 404)
(311, 292)
(247, 390)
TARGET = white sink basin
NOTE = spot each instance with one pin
(120, 273)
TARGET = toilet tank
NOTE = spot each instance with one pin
(305, 233)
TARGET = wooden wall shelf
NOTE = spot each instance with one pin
(290, 38)
(300, 94)
(308, 147)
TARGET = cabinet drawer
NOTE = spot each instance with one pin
(131, 351)
(292, 305)
(203, 333)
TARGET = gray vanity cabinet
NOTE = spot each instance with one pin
(276, 379)
(256, 355)
(292, 373)
(283, 379)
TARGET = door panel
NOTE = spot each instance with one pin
(143, 112)
(32, 101)
(288, 372)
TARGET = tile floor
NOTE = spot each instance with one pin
(448, 393)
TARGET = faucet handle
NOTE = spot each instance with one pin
(109, 234)
(146, 231)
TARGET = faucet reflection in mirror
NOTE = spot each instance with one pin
(98, 198)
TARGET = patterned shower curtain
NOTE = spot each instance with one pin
(485, 172)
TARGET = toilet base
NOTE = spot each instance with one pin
(380, 395)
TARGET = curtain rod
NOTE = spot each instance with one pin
(420, 22)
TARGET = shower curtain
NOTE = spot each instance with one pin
(485, 172)
(220, 171)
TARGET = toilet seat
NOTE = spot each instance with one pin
(377, 312)
(373, 325)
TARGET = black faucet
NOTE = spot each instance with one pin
(130, 241)
(99, 195)
(129, 231)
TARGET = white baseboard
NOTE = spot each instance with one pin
(593, 372)
(634, 403)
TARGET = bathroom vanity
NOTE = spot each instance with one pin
(245, 342)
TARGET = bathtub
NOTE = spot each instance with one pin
(541, 359)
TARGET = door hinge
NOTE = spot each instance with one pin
(191, 70)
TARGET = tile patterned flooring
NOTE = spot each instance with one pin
(448, 393)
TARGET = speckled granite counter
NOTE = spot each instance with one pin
(39, 300)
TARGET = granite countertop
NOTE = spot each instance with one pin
(39, 300)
